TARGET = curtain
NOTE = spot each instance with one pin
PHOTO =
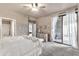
(53, 24)
(56, 29)
(66, 29)
(72, 28)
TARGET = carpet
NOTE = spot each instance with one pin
(55, 49)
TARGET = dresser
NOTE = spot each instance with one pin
(43, 36)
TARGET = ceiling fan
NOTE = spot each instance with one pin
(34, 6)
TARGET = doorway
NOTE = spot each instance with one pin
(32, 28)
(6, 25)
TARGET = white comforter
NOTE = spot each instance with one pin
(18, 46)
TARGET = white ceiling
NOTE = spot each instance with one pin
(50, 8)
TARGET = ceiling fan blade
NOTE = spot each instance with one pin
(31, 5)
(27, 5)
(42, 7)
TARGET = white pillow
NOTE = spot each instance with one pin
(33, 39)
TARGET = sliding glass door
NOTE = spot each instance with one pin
(65, 29)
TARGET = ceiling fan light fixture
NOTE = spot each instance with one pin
(35, 5)
(34, 9)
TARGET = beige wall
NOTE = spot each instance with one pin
(21, 20)
(44, 24)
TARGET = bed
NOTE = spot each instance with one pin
(20, 46)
